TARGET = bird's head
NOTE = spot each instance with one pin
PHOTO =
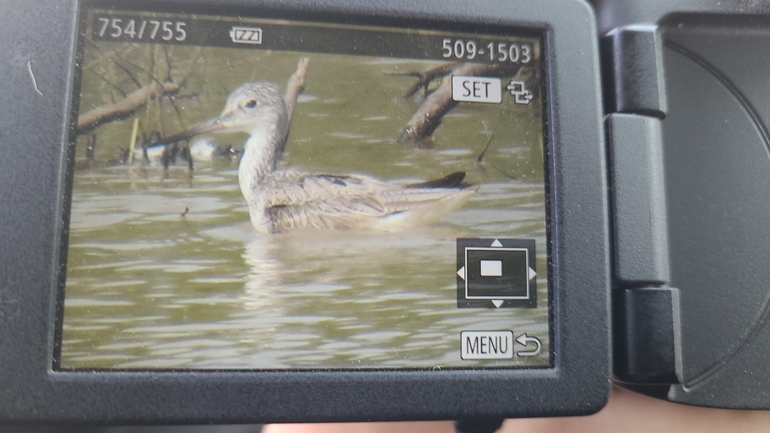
(250, 107)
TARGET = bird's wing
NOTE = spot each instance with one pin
(295, 199)
(289, 187)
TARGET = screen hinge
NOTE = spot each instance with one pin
(647, 348)
(646, 341)
(632, 67)
(645, 309)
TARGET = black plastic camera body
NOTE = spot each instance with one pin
(657, 163)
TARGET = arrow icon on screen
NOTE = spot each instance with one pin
(524, 340)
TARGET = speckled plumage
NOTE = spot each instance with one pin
(282, 200)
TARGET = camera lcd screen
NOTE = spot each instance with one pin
(257, 193)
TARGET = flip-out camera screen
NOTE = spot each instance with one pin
(255, 193)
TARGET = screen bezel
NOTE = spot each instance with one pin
(578, 381)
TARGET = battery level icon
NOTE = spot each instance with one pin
(246, 35)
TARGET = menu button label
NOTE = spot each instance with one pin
(486, 345)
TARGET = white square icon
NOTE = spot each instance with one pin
(491, 268)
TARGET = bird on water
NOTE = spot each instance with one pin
(280, 200)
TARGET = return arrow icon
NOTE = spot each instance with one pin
(524, 340)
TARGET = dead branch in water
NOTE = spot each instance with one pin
(295, 86)
(124, 107)
(432, 110)
(139, 98)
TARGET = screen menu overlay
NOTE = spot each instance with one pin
(254, 193)
(496, 273)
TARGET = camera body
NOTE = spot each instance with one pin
(708, 198)
(613, 244)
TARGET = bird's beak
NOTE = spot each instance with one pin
(215, 124)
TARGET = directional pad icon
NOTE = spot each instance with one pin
(496, 273)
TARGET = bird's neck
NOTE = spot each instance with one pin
(259, 159)
(261, 154)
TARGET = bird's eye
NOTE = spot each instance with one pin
(251, 104)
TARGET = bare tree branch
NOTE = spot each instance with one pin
(172, 99)
(424, 78)
(129, 73)
(296, 85)
(168, 63)
(190, 69)
(159, 109)
(149, 74)
(109, 82)
(105, 57)
(124, 107)
(430, 113)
